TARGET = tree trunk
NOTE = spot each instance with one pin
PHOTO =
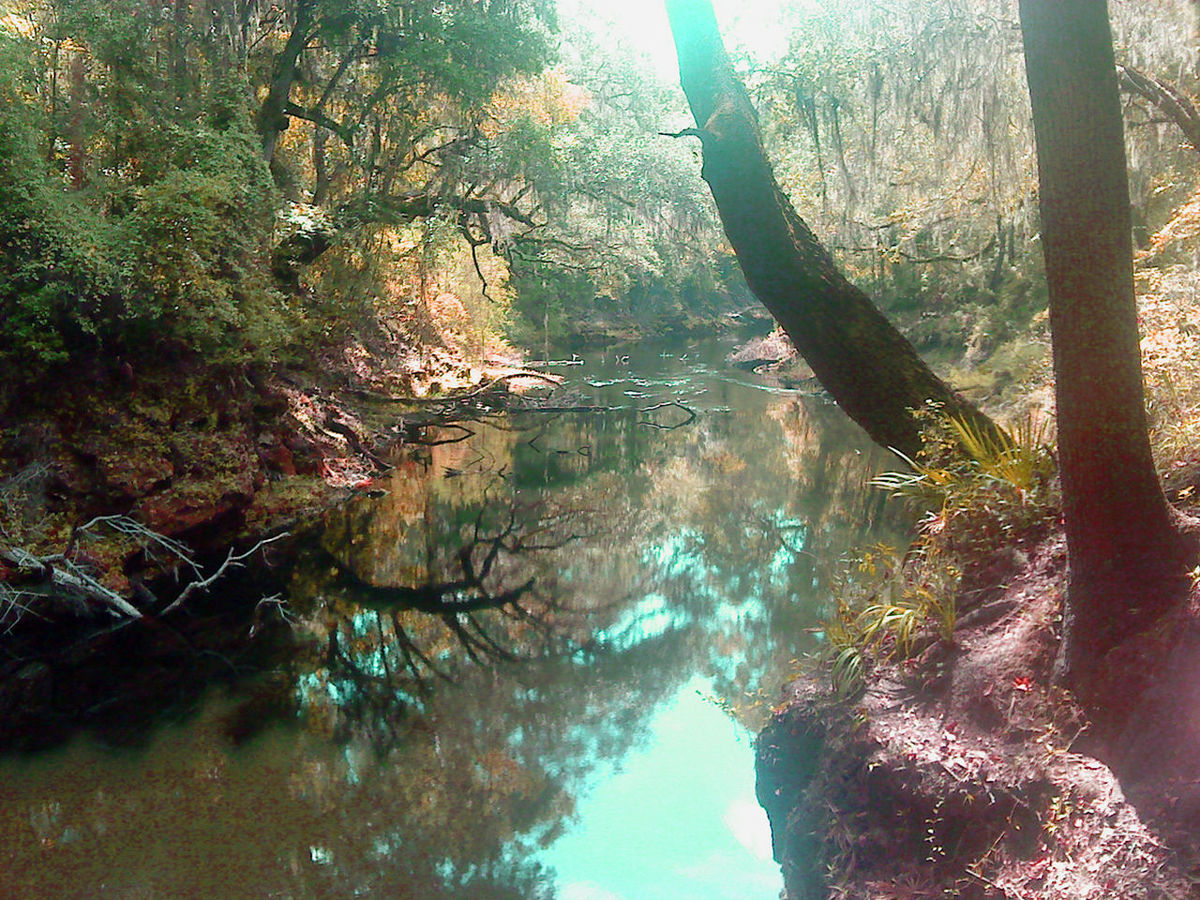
(1124, 544)
(272, 118)
(320, 163)
(184, 90)
(76, 132)
(868, 367)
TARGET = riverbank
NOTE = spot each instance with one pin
(965, 770)
(99, 466)
(204, 457)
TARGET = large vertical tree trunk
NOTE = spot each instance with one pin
(1124, 546)
(868, 367)
(76, 132)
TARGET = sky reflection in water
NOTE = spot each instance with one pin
(645, 572)
(677, 818)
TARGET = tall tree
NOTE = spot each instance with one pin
(460, 47)
(1126, 548)
(871, 370)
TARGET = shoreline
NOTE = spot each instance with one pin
(966, 772)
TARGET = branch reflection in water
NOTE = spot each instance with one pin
(471, 657)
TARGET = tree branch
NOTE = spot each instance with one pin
(1166, 98)
(231, 561)
(319, 118)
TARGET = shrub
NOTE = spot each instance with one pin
(171, 246)
(979, 497)
(58, 273)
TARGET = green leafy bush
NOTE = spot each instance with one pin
(198, 248)
(169, 247)
(58, 273)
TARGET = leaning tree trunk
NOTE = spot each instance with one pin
(1123, 541)
(1166, 98)
(868, 367)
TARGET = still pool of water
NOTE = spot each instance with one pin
(531, 667)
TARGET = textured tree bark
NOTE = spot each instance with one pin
(868, 367)
(272, 115)
(77, 154)
(1125, 548)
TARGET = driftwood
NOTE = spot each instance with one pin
(555, 380)
(232, 561)
(557, 363)
(55, 581)
(56, 586)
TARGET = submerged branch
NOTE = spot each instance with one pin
(691, 416)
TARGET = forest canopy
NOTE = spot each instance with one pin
(241, 179)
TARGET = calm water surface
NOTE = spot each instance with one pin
(531, 668)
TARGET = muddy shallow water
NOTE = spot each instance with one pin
(530, 665)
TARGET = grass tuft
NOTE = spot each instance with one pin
(979, 496)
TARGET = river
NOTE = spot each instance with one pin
(529, 665)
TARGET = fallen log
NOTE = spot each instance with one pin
(57, 581)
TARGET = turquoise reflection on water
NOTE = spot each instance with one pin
(589, 766)
(678, 818)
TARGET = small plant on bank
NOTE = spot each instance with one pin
(980, 498)
(889, 605)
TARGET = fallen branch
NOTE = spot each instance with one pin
(555, 380)
(422, 442)
(56, 577)
(232, 560)
(146, 538)
(333, 425)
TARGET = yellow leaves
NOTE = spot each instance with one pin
(549, 99)
(19, 26)
(1184, 227)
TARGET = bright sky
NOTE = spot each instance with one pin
(753, 24)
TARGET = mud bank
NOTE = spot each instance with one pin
(199, 458)
(965, 773)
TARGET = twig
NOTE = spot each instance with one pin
(145, 537)
(231, 560)
(983, 880)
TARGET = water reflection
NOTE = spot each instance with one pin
(467, 655)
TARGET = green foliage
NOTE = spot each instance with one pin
(544, 294)
(138, 208)
(981, 495)
(631, 233)
(1020, 459)
(963, 471)
(885, 606)
(57, 267)
(173, 254)
(197, 240)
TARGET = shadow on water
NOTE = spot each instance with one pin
(417, 697)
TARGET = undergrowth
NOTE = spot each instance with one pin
(980, 498)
